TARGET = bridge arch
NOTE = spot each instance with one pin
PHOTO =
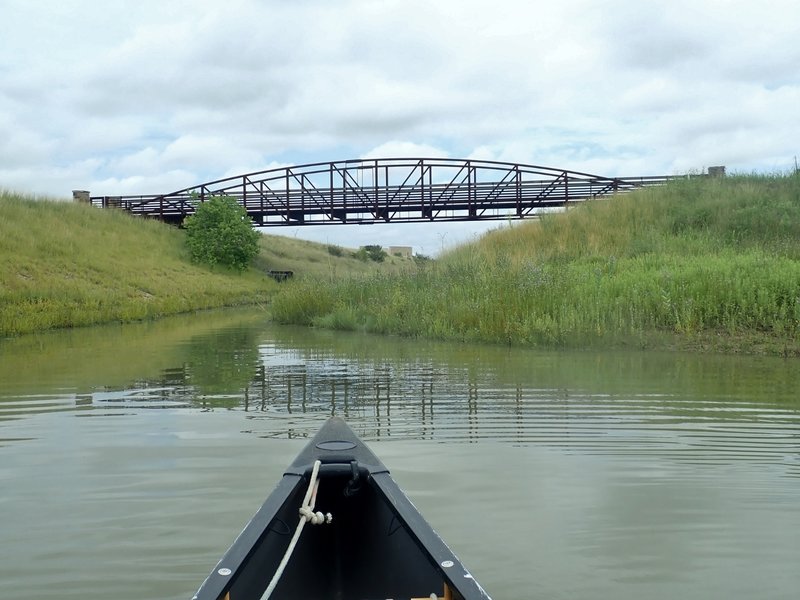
(373, 190)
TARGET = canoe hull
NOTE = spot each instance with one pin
(377, 545)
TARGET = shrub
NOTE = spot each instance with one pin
(375, 253)
(335, 250)
(221, 233)
(361, 254)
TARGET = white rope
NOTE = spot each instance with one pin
(307, 515)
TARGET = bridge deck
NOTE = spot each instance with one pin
(387, 190)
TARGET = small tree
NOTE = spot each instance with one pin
(221, 233)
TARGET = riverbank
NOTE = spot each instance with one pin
(700, 264)
(64, 264)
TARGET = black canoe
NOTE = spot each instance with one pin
(377, 545)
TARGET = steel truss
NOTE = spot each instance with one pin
(387, 190)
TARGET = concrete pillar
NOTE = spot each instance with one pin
(81, 196)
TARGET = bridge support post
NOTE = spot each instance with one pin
(81, 196)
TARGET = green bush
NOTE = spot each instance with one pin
(374, 253)
(335, 250)
(221, 233)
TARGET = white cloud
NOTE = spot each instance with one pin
(398, 149)
(114, 95)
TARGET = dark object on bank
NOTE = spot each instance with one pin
(716, 171)
(373, 543)
(281, 275)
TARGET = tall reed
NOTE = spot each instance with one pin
(713, 257)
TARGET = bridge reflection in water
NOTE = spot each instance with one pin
(387, 190)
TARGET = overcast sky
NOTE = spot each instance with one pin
(149, 96)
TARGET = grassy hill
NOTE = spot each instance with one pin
(312, 259)
(64, 264)
(702, 263)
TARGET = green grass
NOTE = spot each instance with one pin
(701, 263)
(310, 259)
(64, 264)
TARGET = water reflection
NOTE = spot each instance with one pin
(587, 474)
(694, 409)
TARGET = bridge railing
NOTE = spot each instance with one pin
(375, 190)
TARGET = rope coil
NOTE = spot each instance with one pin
(307, 515)
(315, 518)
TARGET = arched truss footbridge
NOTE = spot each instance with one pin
(403, 190)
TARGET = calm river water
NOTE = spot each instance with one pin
(131, 456)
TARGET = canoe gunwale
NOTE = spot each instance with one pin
(343, 457)
(217, 583)
(447, 563)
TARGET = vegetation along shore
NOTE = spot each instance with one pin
(705, 264)
(709, 264)
(66, 264)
